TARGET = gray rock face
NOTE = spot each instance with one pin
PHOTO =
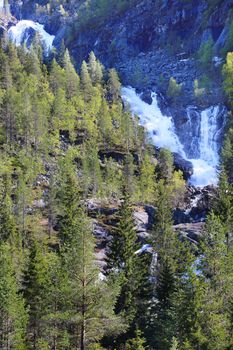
(184, 165)
(197, 204)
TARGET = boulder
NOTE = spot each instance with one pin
(184, 165)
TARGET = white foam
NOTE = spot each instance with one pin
(1, 4)
(160, 127)
(204, 174)
(145, 248)
(16, 33)
(163, 134)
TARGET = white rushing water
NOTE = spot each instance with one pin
(19, 33)
(160, 127)
(162, 131)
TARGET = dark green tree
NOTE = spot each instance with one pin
(13, 314)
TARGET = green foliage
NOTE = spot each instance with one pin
(147, 180)
(92, 301)
(174, 89)
(136, 343)
(198, 91)
(13, 315)
(114, 85)
(165, 164)
(65, 140)
(229, 42)
(205, 53)
(227, 74)
(227, 154)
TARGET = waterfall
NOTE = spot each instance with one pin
(201, 134)
(22, 31)
(161, 128)
(1, 4)
(208, 139)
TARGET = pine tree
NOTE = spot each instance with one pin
(165, 165)
(164, 323)
(86, 84)
(188, 299)
(227, 153)
(92, 300)
(227, 74)
(136, 343)
(105, 124)
(215, 322)
(147, 180)
(128, 174)
(13, 315)
(162, 316)
(61, 54)
(223, 205)
(113, 86)
(72, 78)
(56, 77)
(46, 294)
(7, 221)
(123, 265)
(95, 69)
(68, 197)
(91, 168)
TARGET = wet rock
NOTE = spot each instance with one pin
(146, 97)
(40, 203)
(96, 207)
(118, 156)
(142, 220)
(190, 231)
(197, 204)
(184, 165)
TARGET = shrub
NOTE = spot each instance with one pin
(174, 89)
(205, 53)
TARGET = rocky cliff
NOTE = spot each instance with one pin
(148, 43)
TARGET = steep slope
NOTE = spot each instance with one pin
(143, 39)
(174, 48)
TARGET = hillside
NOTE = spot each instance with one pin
(116, 175)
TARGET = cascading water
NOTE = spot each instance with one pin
(209, 131)
(1, 4)
(20, 33)
(202, 134)
(205, 167)
(161, 128)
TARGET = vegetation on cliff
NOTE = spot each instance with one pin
(66, 139)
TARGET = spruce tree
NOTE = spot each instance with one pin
(91, 300)
(215, 321)
(113, 86)
(136, 343)
(161, 319)
(129, 268)
(72, 78)
(13, 315)
(86, 83)
(147, 180)
(95, 69)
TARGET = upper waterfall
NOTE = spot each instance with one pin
(203, 153)
(20, 33)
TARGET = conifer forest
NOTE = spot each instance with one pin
(116, 175)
